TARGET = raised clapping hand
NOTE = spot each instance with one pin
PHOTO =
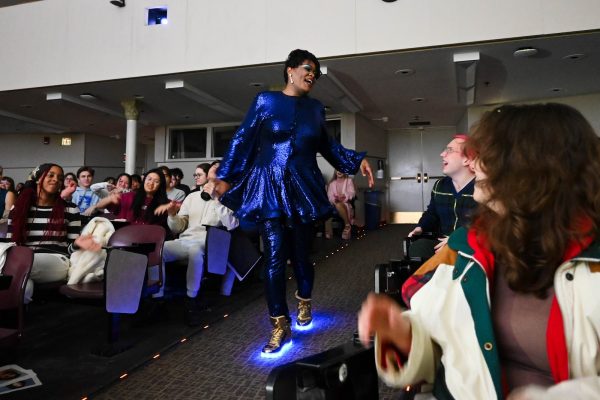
(381, 315)
(87, 242)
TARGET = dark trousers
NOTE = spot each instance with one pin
(281, 243)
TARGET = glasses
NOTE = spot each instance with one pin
(310, 70)
(197, 175)
(450, 150)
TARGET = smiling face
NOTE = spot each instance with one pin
(123, 182)
(151, 183)
(453, 158)
(302, 78)
(52, 183)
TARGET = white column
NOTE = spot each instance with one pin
(131, 113)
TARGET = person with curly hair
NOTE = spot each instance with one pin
(509, 308)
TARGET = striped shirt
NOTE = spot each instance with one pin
(37, 221)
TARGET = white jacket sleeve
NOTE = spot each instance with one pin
(179, 222)
(422, 361)
(226, 216)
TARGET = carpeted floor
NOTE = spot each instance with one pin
(223, 361)
(219, 360)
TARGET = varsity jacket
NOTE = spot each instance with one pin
(453, 344)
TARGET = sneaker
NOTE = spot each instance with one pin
(280, 334)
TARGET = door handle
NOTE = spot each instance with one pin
(425, 177)
(418, 177)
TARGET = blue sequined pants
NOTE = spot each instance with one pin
(280, 244)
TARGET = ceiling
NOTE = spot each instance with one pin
(387, 97)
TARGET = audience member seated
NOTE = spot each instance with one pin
(7, 199)
(510, 307)
(8, 183)
(189, 220)
(452, 196)
(84, 196)
(176, 177)
(69, 186)
(340, 192)
(136, 182)
(42, 220)
(145, 206)
(103, 189)
(172, 193)
(200, 176)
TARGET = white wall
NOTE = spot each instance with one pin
(69, 41)
(588, 105)
(22, 152)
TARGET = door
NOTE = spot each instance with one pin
(415, 165)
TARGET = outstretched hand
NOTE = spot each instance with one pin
(365, 169)
(68, 191)
(382, 316)
(171, 207)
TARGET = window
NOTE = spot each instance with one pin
(334, 129)
(221, 137)
(187, 143)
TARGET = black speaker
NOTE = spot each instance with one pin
(344, 372)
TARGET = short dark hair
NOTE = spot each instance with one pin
(85, 169)
(177, 172)
(296, 58)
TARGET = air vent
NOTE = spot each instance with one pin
(419, 123)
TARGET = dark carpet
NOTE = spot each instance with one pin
(218, 360)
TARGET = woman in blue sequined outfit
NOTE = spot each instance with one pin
(270, 176)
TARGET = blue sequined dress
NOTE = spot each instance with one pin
(271, 162)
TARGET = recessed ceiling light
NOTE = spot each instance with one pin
(556, 89)
(525, 52)
(138, 97)
(418, 99)
(257, 84)
(87, 96)
(405, 71)
(575, 56)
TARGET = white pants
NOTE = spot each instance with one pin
(47, 267)
(193, 252)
